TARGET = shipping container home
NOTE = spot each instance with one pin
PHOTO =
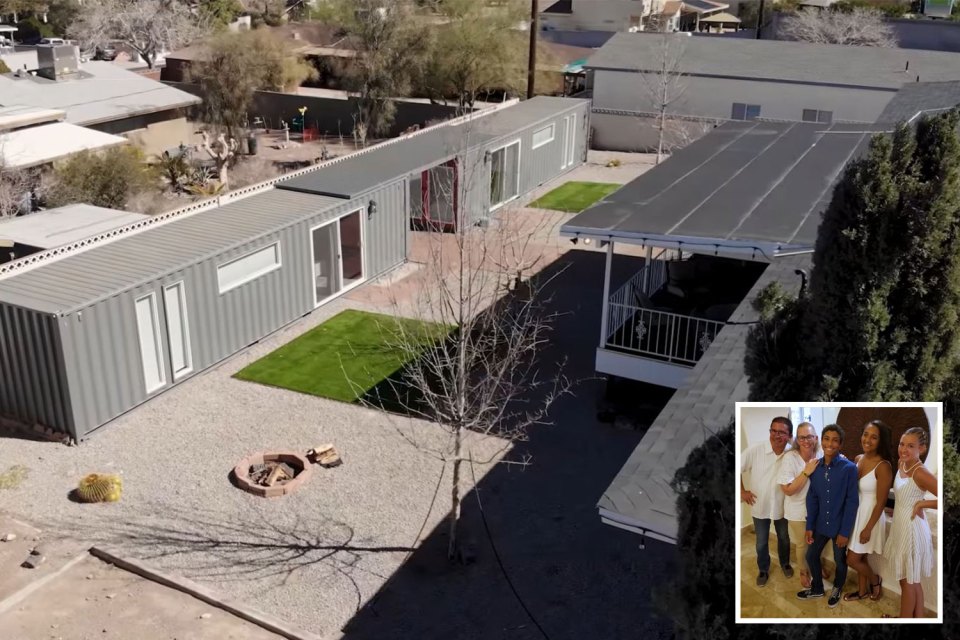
(461, 174)
(91, 332)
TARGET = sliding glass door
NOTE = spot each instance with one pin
(504, 174)
(337, 249)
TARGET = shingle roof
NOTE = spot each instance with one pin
(81, 279)
(780, 61)
(918, 97)
(640, 495)
(104, 92)
(354, 176)
(745, 184)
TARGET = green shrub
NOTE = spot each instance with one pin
(32, 28)
(103, 178)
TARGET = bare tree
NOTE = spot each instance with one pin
(475, 361)
(663, 86)
(222, 151)
(149, 27)
(15, 187)
(859, 27)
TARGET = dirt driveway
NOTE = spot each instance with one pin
(72, 595)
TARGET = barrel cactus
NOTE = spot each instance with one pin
(100, 487)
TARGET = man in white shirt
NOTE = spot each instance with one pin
(766, 499)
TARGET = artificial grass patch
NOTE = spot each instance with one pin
(574, 197)
(344, 358)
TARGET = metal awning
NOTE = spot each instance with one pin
(750, 189)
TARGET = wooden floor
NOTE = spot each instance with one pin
(779, 598)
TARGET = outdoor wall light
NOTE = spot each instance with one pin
(487, 156)
(371, 209)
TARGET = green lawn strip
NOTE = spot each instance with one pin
(343, 358)
(574, 197)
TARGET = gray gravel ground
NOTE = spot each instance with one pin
(335, 554)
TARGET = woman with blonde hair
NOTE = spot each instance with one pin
(795, 470)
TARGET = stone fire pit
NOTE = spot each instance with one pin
(268, 474)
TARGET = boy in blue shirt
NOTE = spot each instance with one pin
(832, 502)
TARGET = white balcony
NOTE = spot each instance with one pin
(646, 337)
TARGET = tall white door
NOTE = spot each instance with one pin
(178, 330)
(148, 332)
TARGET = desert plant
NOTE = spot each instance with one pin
(99, 487)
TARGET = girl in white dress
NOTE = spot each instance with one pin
(875, 469)
(909, 550)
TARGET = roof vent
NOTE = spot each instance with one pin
(907, 68)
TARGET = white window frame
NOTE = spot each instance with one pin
(181, 293)
(254, 275)
(572, 140)
(494, 207)
(339, 264)
(553, 134)
(157, 342)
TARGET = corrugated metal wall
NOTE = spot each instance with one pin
(537, 166)
(32, 381)
(101, 347)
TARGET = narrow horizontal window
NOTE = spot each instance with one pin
(816, 115)
(248, 267)
(543, 136)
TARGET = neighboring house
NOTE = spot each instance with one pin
(308, 39)
(31, 137)
(104, 97)
(26, 235)
(719, 219)
(624, 15)
(169, 297)
(745, 79)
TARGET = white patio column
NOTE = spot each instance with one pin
(646, 270)
(605, 318)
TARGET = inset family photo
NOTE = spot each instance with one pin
(839, 512)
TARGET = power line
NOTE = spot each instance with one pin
(496, 554)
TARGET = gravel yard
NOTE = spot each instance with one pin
(337, 553)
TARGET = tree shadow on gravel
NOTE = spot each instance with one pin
(577, 577)
(259, 547)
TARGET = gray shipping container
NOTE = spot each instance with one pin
(91, 335)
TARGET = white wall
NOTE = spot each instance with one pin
(714, 97)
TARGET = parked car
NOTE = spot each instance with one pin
(106, 52)
(52, 41)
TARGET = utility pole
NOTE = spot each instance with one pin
(532, 63)
(760, 21)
